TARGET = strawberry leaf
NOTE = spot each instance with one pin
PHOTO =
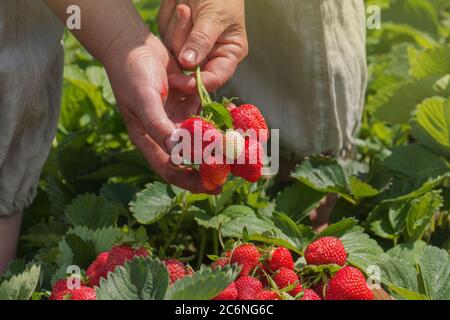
(218, 114)
(20, 286)
(205, 284)
(139, 279)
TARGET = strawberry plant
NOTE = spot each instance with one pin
(101, 208)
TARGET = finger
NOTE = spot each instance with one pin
(166, 11)
(149, 110)
(185, 83)
(182, 29)
(200, 42)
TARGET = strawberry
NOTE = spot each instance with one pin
(230, 293)
(326, 250)
(233, 145)
(247, 257)
(176, 269)
(286, 277)
(279, 258)
(214, 175)
(202, 134)
(250, 164)
(310, 294)
(248, 288)
(248, 117)
(221, 262)
(268, 295)
(118, 255)
(98, 269)
(59, 289)
(82, 293)
(348, 284)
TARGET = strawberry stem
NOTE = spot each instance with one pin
(202, 92)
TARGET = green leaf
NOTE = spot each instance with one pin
(298, 200)
(431, 62)
(219, 114)
(280, 230)
(398, 107)
(338, 229)
(360, 189)
(92, 211)
(435, 273)
(139, 279)
(21, 286)
(431, 125)
(397, 272)
(230, 213)
(408, 294)
(152, 203)
(420, 214)
(205, 284)
(362, 251)
(419, 14)
(83, 251)
(410, 252)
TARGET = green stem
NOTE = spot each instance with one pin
(202, 248)
(202, 92)
(177, 227)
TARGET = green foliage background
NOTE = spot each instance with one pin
(393, 211)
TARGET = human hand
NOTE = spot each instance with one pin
(206, 33)
(139, 78)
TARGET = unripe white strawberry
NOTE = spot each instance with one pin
(233, 144)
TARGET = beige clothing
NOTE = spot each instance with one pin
(31, 65)
(306, 70)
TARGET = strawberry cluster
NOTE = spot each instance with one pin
(233, 146)
(107, 262)
(104, 263)
(271, 274)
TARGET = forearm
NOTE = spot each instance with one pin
(106, 26)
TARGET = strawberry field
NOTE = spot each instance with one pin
(104, 220)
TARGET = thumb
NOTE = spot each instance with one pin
(200, 42)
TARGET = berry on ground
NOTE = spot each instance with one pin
(310, 294)
(286, 277)
(248, 288)
(230, 293)
(348, 284)
(98, 269)
(326, 250)
(247, 257)
(279, 258)
(268, 295)
(177, 270)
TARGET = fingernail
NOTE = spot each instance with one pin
(189, 56)
(179, 14)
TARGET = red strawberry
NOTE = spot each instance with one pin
(221, 262)
(59, 289)
(176, 269)
(248, 117)
(250, 164)
(348, 284)
(118, 255)
(230, 293)
(214, 175)
(247, 257)
(248, 288)
(310, 294)
(202, 134)
(82, 293)
(279, 258)
(326, 250)
(98, 269)
(286, 277)
(268, 295)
